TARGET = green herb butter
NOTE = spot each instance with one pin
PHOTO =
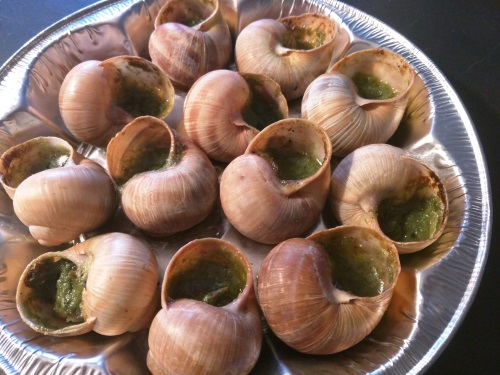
(360, 266)
(415, 219)
(305, 38)
(262, 107)
(69, 289)
(59, 284)
(290, 164)
(38, 158)
(212, 282)
(370, 87)
(138, 100)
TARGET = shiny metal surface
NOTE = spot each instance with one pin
(436, 284)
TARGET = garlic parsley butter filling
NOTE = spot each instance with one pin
(60, 284)
(215, 283)
(370, 87)
(292, 165)
(416, 218)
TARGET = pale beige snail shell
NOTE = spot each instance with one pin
(98, 98)
(167, 184)
(190, 38)
(210, 322)
(56, 192)
(352, 118)
(106, 283)
(224, 110)
(278, 187)
(382, 187)
(325, 293)
(292, 50)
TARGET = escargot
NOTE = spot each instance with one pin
(107, 284)
(98, 98)
(56, 192)
(224, 110)
(292, 50)
(382, 187)
(278, 187)
(166, 183)
(325, 293)
(191, 38)
(361, 99)
(210, 321)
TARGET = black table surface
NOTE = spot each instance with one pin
(462, 38)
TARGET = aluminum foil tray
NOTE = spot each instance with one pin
(436, 285)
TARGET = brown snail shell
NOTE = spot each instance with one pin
(56, 192)
(224, 111)
(117, 277)
(382, 187)
(220, 336)
(266, 200)
(325, 293)
(191, 38)
(292, 50)
(98, 98)
(333, 100)
(167, 184)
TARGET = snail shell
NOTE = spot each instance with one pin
(191, 38)
(277, 188)
(56, 192)
(384, 188)
(224, 110)
(222, 335)
(293, 50)
(110, 288)
(334, 102)
(97, 99)
(167, 184)
(325, 293)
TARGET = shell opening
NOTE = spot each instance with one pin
(263, 107)
(150, 158)
(32, 157)
(216, 278)
(139, 153)
(304, 38)
(362, 263)
(55, 297)
(370, 87)
(187, 13)
(290, 164)
(307, 32)
(377, 72)
(296, 155)
(142, 89)
(415, 214)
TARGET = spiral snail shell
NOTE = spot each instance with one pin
(190, 39)
(325, 293)
(382, 187)
(107, 283)
(128, 87)
(286, 167)
(224, 111)
(56, 192)
(361, 99)
(209, 322)
(167, 184)
(292, 50)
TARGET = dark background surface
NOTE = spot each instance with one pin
(463, 39)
